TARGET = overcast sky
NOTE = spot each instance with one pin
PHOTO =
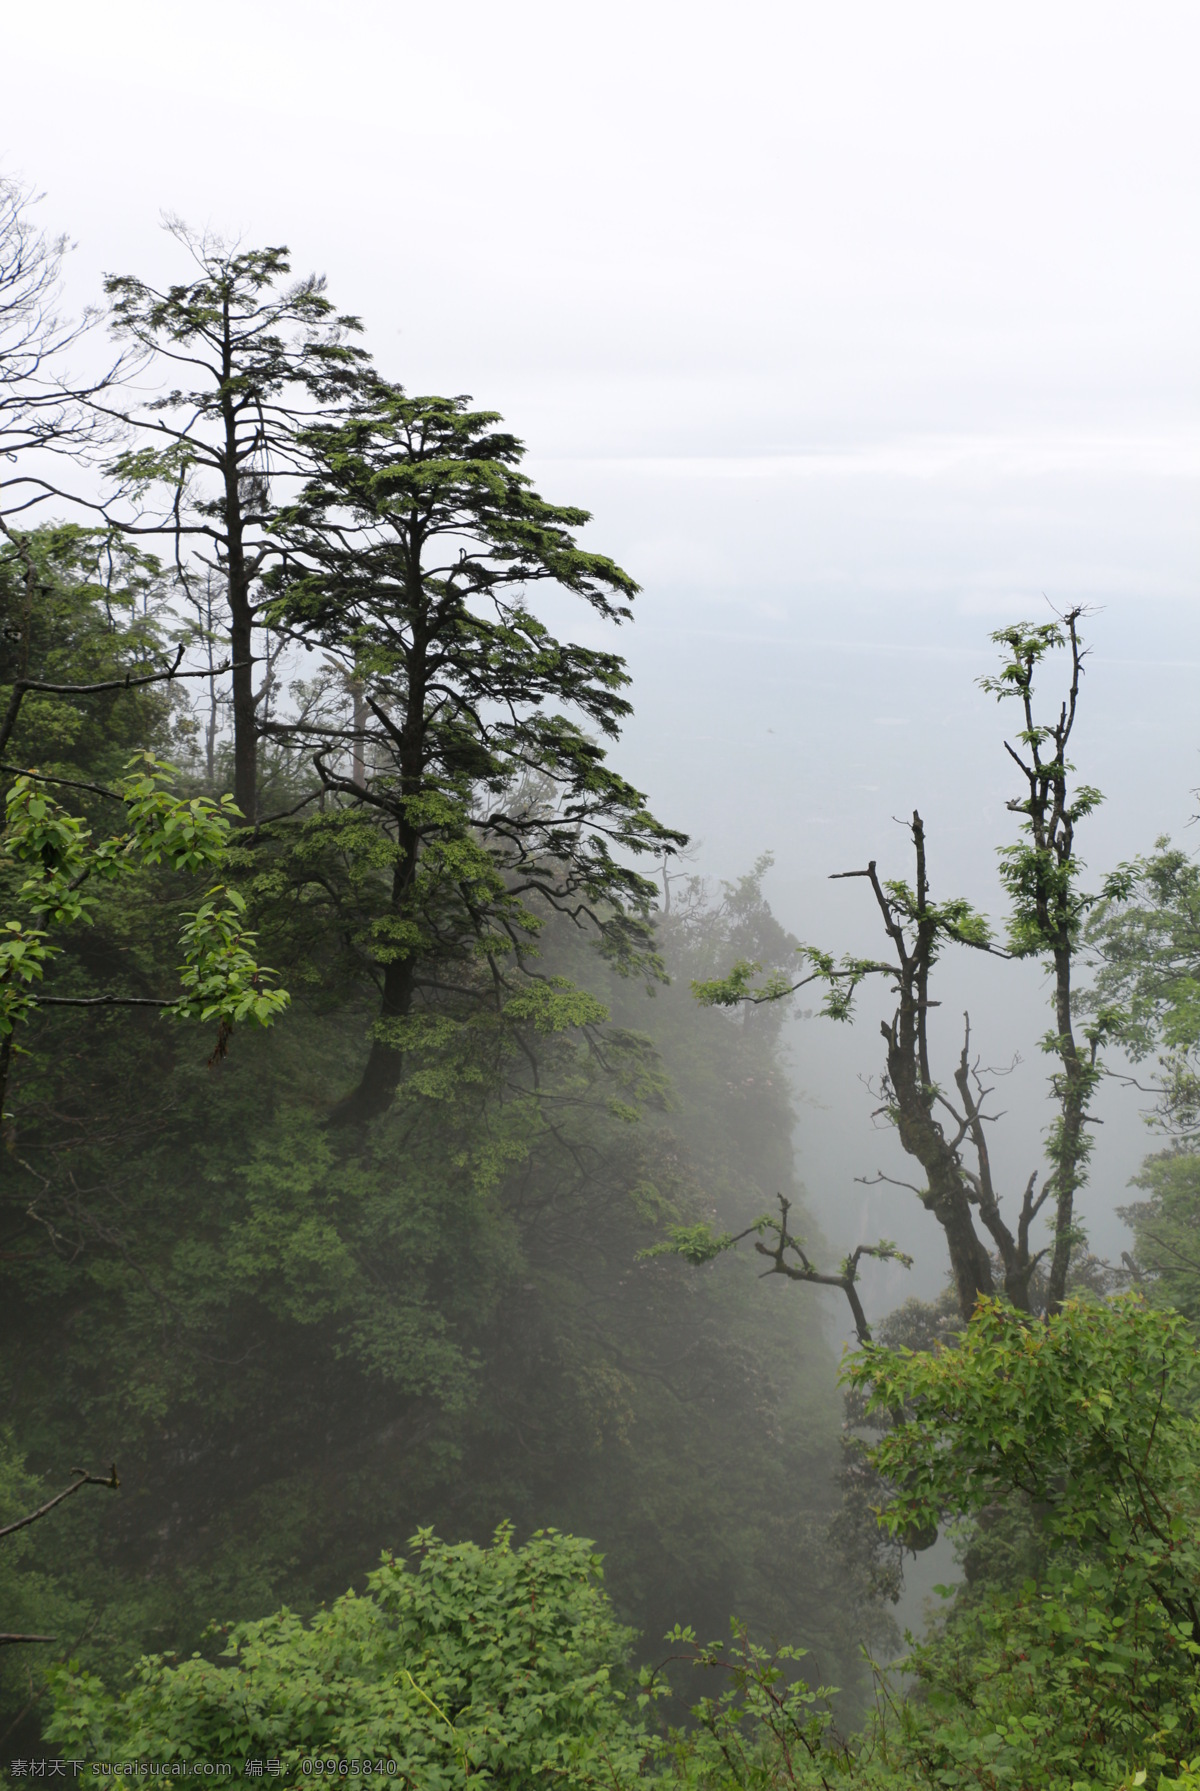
(861, 328)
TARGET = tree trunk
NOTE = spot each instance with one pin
(385, 1063)
(241, 612)
(245, 714)
(1071, 1143)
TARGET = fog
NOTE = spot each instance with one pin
(809, 711)
(861, 331)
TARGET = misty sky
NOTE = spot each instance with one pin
(861, 328)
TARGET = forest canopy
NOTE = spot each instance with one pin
(401, 1171)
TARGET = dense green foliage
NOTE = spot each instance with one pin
(503, 1668)
(301, 1342)
(1147, 939)
(494, 1288)
(492, 1666)
(1166, 1230)
(1086, 1668)
(476, 799)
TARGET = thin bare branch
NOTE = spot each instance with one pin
(82, 1478)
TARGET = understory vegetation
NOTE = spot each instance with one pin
(405, 1264)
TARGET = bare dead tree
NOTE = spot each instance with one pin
(39, 409)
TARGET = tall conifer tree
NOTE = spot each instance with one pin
(255, 356)
(470, 778)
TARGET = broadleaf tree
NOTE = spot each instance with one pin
(56, 865)
(1145, 936)
(1080, 1433)
(62, 615)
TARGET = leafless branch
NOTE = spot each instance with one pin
(82, 1478)
(803, 1270)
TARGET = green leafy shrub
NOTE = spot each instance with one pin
(495, 1666)
(1088, 1672)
